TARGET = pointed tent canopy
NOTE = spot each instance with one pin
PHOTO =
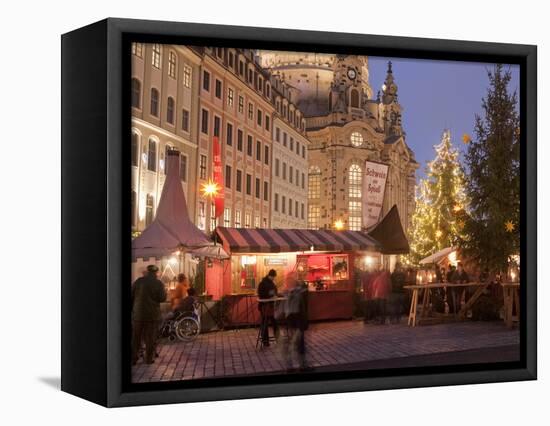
(389, 233)
(171, 229)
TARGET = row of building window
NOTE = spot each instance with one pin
(151, 156)
(248, 183)
(291, 115)
(288, 142)
(293, 174)
(261, 118)
(283, 206)
(247, 219)
(246, 71)
(156, 61)
(155, 105)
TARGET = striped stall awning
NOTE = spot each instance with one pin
(257, 240)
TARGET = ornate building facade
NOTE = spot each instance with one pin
(164, 102)
(346, 126)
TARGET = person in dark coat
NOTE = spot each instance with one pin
(267, 290)
(147, 294)
(296, 313)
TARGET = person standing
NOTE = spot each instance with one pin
(148, 293)
(267, 290)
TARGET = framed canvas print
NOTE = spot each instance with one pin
(254, 212)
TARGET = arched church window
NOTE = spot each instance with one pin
(356, 139)
(314, 182)
(354, 191)
(354, 98)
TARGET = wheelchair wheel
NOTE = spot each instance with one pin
(187, 329)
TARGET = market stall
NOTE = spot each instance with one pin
(323, 259)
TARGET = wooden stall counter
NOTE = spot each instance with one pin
(330, 304)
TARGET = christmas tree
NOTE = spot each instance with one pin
(438, 220)
(492, 186)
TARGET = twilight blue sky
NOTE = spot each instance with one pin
(436, 95)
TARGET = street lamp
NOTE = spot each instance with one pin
(339, 225)
(210, 190)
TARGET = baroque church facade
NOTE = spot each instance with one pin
(346, 126)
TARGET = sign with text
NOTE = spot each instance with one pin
(374, 185)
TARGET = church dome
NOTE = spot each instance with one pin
(309, 76)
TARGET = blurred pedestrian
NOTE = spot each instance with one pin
(381, 286)
(397, 297)
(297, 322)
(148, 293)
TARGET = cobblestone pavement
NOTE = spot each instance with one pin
(233, 352)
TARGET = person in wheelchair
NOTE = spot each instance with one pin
(187, 304)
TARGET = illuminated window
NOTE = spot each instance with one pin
(314, 182)
(354, 192)
(155, 58)
(137, 49)
(172, 64)
(313, 217)
(187, 76)
(354, 218)
(237, 218)
(355, 181)
(256, 221)
(247, 220)
(149, 209)
(202, 216)
(227, 217)
(212, 217)
(356, 139)
(230, 97)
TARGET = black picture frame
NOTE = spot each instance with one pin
(95, 211)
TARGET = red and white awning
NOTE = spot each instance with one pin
(259, 240)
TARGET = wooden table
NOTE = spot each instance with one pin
(416, 289)
(511, 300)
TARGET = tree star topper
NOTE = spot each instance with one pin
(509, 225)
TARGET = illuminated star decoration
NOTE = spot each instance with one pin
(466, 138)
(438, 233)
(339, 224)
(509, 225)
(210, 189)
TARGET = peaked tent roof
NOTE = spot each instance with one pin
(389, 233)
(171, 229)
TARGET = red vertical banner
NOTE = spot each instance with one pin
(218, 177)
